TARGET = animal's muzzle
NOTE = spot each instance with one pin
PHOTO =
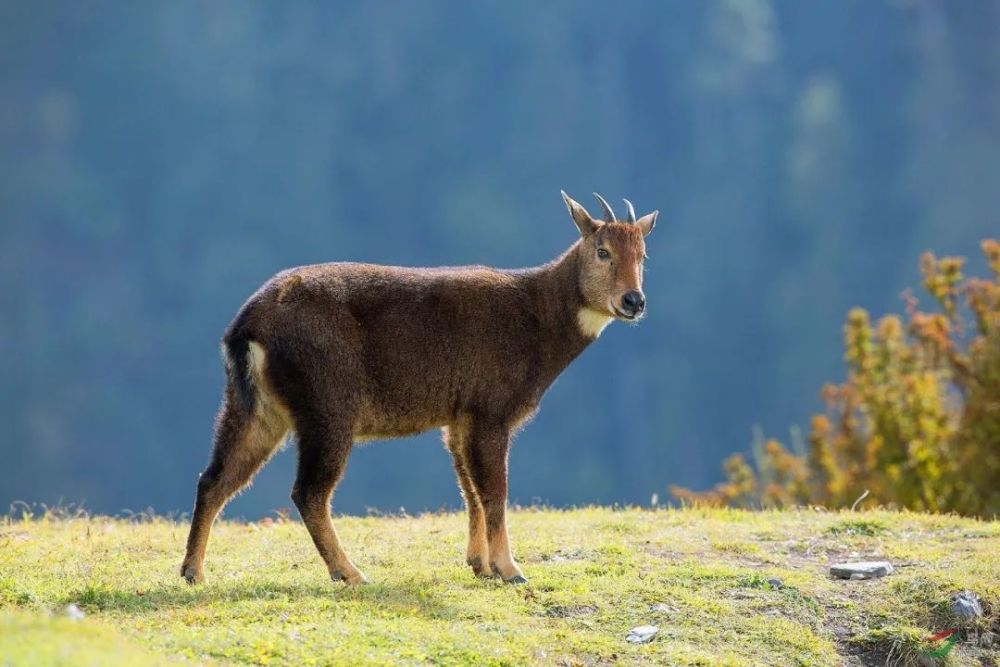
(633, 303)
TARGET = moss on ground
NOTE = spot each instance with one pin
(705, 577)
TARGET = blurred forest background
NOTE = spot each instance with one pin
(158, 161)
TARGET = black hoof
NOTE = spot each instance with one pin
(192, 576)
(517, 579)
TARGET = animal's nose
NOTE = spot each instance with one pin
(633, 301)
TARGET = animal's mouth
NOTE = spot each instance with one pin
(625, 317)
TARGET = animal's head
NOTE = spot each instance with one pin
(611, 254)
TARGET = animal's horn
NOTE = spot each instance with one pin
(631, 210)
(609, 215)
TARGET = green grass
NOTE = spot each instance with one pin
(702, 576)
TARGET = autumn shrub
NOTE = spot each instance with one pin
(917, 421)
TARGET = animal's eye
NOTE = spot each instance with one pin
(602, 253)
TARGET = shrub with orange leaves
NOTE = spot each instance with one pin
(916, 423)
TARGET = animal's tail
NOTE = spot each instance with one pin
(236, 350)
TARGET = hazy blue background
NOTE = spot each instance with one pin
(159, 160)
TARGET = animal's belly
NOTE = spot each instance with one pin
(375, 424)
(367, 435)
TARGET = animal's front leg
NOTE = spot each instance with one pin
(488, 462)
(477, 554)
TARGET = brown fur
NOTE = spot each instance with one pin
(344, 352)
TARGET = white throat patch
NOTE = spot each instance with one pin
(592, 322)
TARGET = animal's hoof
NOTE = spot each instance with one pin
(515, 578)
(478, 568)
(355, 578)
(192, 575)
(358, 580)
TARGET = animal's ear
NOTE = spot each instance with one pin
(647, 222)
(586, 224)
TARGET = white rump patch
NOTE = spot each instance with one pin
(270, 407)
(592, 322)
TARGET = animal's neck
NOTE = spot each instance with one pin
(560, 302)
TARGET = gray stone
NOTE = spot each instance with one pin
(74, 612)
(861, 570)
(966, 606)
(642, 634)
(774, 582)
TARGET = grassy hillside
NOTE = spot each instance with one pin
(701, 576)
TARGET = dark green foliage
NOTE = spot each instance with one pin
(158, 161)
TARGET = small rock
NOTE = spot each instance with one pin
(74, 613)
(861, 570)
(642, 634)
(774, 582)
(665, 608)
(966, 606)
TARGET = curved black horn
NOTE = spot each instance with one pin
(631, 210)
(609, 215)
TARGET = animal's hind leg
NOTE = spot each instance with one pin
(323, 455)
(477, 555)
(243, 443)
